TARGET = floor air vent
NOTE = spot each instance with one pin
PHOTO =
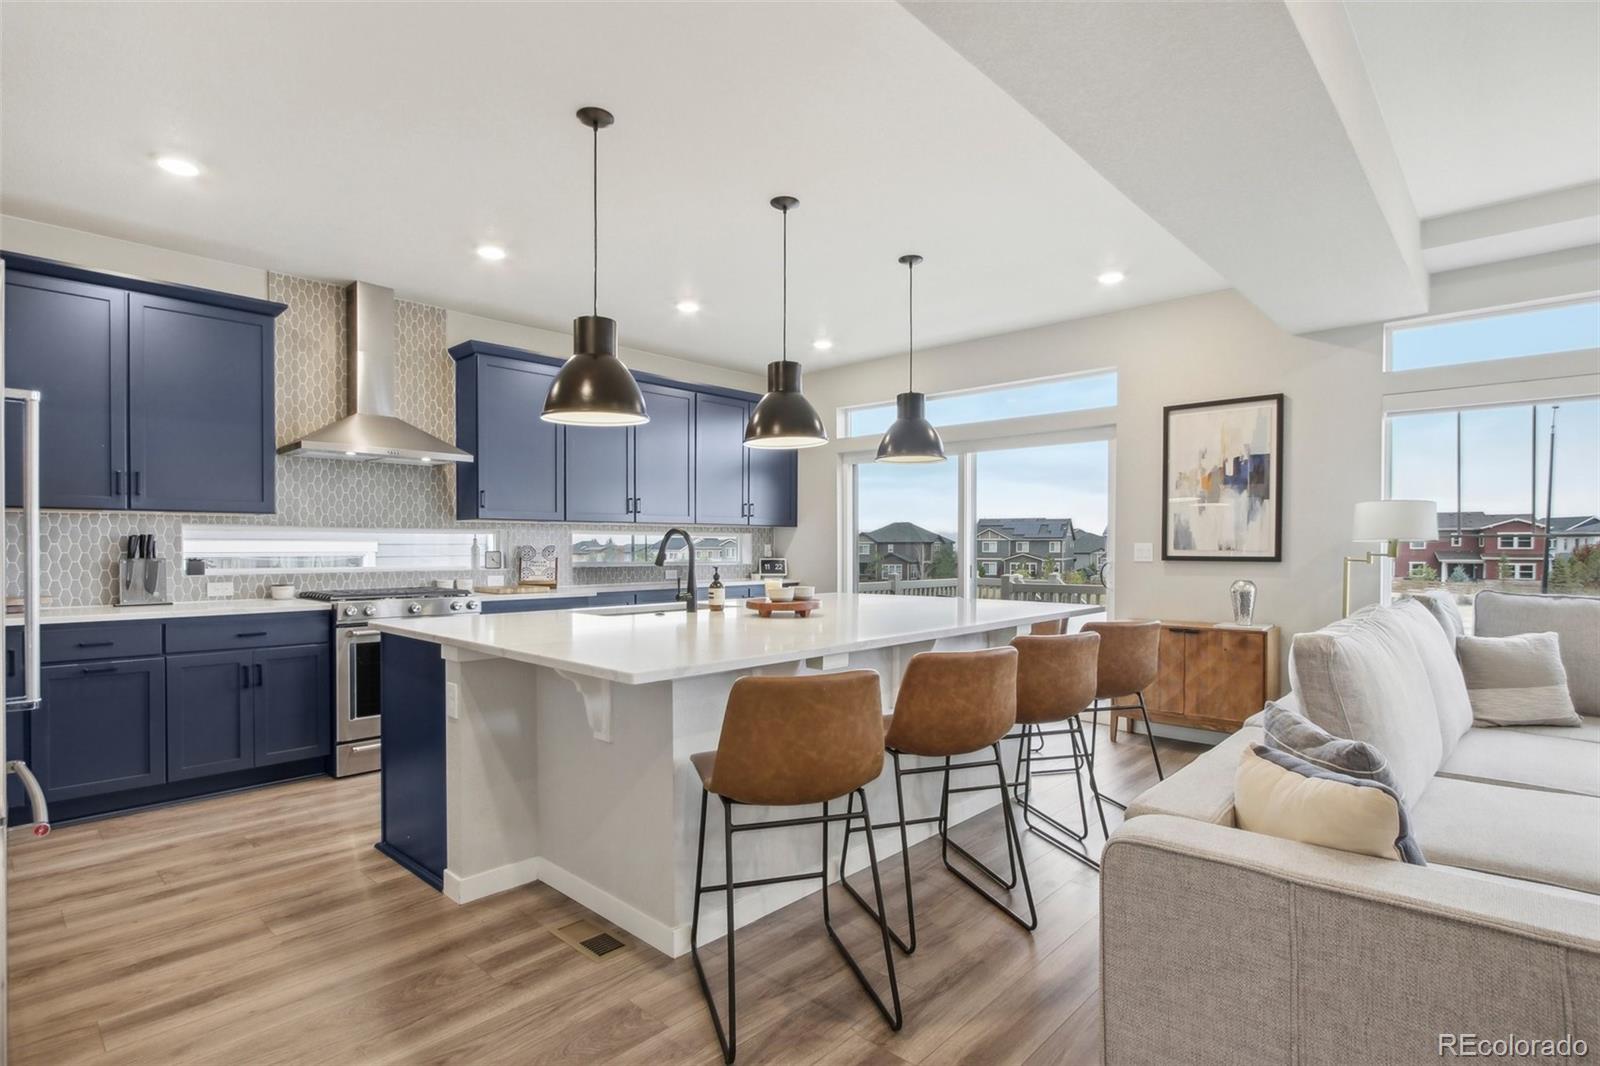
(590, 939)
(601, 943)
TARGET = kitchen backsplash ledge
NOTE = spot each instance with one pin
(79, 549)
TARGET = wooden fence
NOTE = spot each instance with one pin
(991, 588)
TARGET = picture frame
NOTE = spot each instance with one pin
(1222, 480)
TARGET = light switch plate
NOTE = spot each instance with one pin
(216, 589)
(1143, 552)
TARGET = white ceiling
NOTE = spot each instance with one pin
(385, 142)
(1485, 102)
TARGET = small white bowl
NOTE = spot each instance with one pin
(772, 585)
(805, 592)
(781, 595)
(281, 592)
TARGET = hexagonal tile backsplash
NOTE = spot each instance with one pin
(79, 549)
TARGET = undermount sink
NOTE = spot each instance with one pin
(640, 608)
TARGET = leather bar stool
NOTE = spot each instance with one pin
(1129, 658)
(789, 742)
(950, 704)
(1055, 684)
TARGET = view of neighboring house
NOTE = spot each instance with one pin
(628, 549)
(1475, 546)
(901, 550)
(1036, 547)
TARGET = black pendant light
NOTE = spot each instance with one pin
(911, 438)
(594, 388)
(784, 418)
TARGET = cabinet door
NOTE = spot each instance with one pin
(69, 340)
(1166, 695)
(519, 458)
(102, 728)
(200, 391)
(774, 484)
(719, 477)
(1224, 675)
(663, 461)
(209, 720)
(599, 474)
(294, 703)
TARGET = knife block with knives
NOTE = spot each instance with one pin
(142, 575)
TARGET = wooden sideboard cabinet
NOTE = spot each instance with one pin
(1212, 675)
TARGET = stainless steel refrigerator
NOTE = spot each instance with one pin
(22, 405)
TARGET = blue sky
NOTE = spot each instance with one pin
(1496, 458)
(1058, 481)
(1016, 401)
(1568, 328)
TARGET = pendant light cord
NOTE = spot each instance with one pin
(595, 201)
(785, 284)
(911, 327)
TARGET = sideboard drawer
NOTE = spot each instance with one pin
(98, 640)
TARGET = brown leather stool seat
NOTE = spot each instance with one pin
(1129, 659)
(950, 704)
(791, 741)
(1056, 683)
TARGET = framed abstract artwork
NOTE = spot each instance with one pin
(1222, 480)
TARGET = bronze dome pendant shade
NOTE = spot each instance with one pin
(784, 418)
(911, 438)
(594, 388)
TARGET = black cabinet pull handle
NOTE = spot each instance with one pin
(116, 482)
(99, 669)
(252, 633)
(483, 498)
(258, 675)
(95, 643)
(137, 490)
(244, 675)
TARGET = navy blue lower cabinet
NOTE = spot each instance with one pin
(655, 596)
(103, 728)
(210, 720)
(413, 792)
(293, 703)
(613, 599)
(492, 605)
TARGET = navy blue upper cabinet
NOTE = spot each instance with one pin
(200, 402)
(155, 397)
(293, 703)
(102, 728)
(664, 457)
(519, 463)
(720, 494)
(69, 340)
(210, 728)
(735, 485)
(599, 474)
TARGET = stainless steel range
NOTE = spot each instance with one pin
(358, 699)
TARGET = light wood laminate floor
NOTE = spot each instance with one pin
(263, 928)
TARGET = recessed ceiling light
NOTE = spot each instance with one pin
(492, 252)
(822, 344)
(688, 307)
(1111, 277)
(177, 165)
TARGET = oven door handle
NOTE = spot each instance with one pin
(361, 634)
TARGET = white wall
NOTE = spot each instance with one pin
(1206, 347)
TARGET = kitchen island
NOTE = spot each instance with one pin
(554, 746)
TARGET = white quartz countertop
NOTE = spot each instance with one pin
(193, 609)
(660, 644)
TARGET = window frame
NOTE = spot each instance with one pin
(845, 413)
(1498, 311)
(1411, 570)
(1501, 538)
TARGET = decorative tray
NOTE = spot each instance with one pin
(767, 608)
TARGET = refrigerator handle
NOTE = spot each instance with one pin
(29, 398)
(36, 800)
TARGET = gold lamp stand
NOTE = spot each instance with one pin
(1391, 550)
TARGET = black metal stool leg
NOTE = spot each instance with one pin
(1013, 847)
(896, 1017)
(908, 944)
(1150, 735)
(946, 845)
(1072, 841)
(725, 1040)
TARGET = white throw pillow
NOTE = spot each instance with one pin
(1517, 680)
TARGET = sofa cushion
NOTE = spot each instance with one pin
(1516, 680)
(1360, 678)
(1588, 732)
(1282, 796)
(1201, 791)
(1290, 731)
(1574, 619)
(1442, 605)
(1437, 654)
(1505, 757)
(1549, 837)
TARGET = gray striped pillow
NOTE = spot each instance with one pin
(1299, 736)
(1516, 680)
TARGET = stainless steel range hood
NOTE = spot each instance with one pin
(371, 432)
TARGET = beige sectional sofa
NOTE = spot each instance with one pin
(1221, 945)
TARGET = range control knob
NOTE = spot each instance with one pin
(349, 612)
(472, 605)
(415, 608)
(369, 611)
(456, 605)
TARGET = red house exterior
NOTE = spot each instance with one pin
(1487, 547)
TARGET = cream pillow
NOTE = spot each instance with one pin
(1278, 795)
(1517, 680)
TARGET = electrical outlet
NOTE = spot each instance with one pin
(1143, 552)
(452, 700)
(216, 589)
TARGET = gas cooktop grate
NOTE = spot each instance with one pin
(425, 592)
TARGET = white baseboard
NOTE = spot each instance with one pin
(489, 882)
(664, 938)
